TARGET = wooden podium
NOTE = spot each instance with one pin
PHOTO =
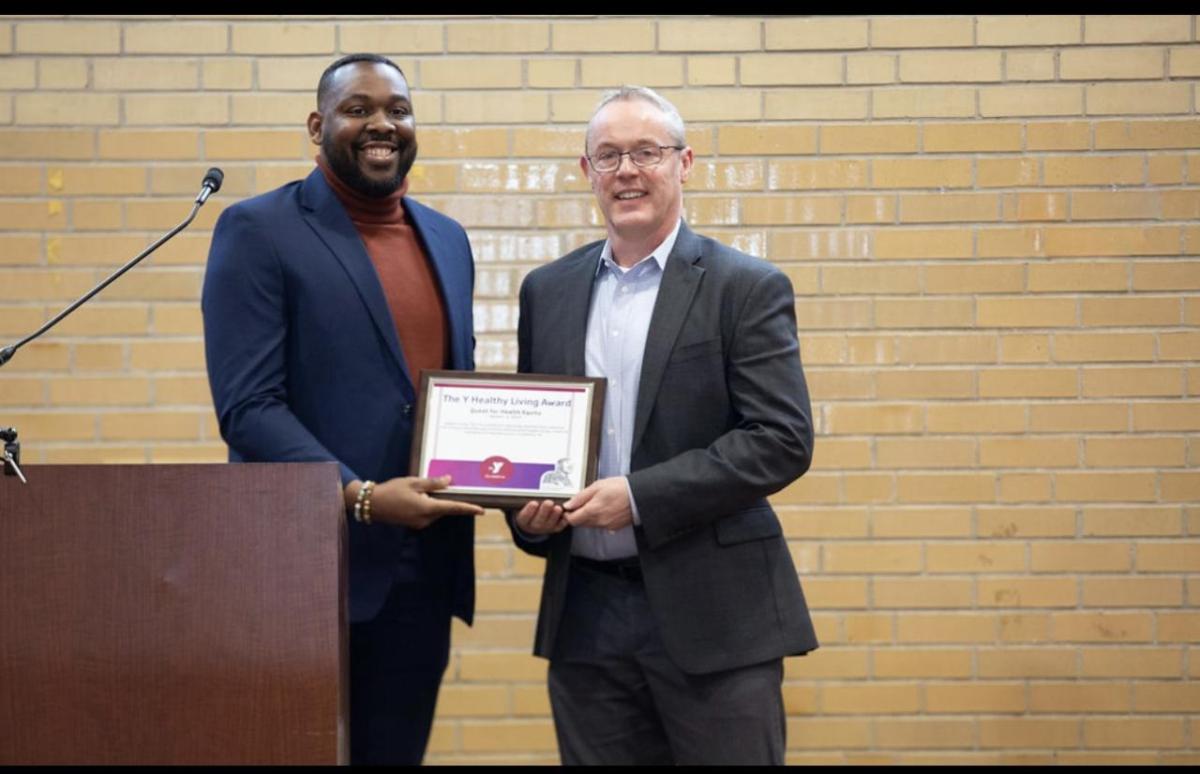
(173, 614)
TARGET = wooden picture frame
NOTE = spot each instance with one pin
(506, 439)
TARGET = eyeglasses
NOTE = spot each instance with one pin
(645, 156)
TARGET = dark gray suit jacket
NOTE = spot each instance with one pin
(722, 421)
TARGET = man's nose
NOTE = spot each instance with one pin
(379, 120)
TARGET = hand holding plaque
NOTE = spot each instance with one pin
(506, 439)
(408, 501)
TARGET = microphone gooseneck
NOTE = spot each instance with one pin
(210, 185)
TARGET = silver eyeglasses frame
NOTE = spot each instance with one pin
(653, 161)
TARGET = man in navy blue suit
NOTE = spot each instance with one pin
(323, 300)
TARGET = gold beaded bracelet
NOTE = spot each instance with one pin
(362, 503)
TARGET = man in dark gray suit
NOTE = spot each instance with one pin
(670, 598)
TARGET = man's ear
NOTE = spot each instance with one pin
(315, 124)
(686, 159)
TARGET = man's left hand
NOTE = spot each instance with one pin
(603, 504)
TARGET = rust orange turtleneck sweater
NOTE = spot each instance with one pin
(404, 272)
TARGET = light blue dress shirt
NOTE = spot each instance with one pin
(618, 323)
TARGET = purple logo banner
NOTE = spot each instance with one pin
(493, 473)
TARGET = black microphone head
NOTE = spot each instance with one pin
(213, 179)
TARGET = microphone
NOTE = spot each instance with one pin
(210, 185)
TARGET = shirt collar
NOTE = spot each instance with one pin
(660, 253)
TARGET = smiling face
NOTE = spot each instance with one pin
(366, 129)
(641, 205)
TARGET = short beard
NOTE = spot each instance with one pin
(342, 164)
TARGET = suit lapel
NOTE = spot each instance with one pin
(447, 277)
(567, 315)
(681, 279)
(329, 221)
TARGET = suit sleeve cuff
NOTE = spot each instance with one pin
(637, 518)
(526, 536)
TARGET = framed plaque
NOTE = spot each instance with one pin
(506, 439)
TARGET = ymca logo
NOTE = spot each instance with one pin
(496, 468)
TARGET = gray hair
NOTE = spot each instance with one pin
(627, 93)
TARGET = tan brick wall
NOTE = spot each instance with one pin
(992, 224)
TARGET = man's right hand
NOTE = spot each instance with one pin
(544, 518)
(405, 501)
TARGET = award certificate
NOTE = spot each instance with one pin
(506, 439)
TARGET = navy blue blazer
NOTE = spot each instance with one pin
(305, 365)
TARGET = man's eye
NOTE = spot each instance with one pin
(400, 112)
(605, 157)
(645, 154)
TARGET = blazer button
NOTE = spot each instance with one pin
(407, 409)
